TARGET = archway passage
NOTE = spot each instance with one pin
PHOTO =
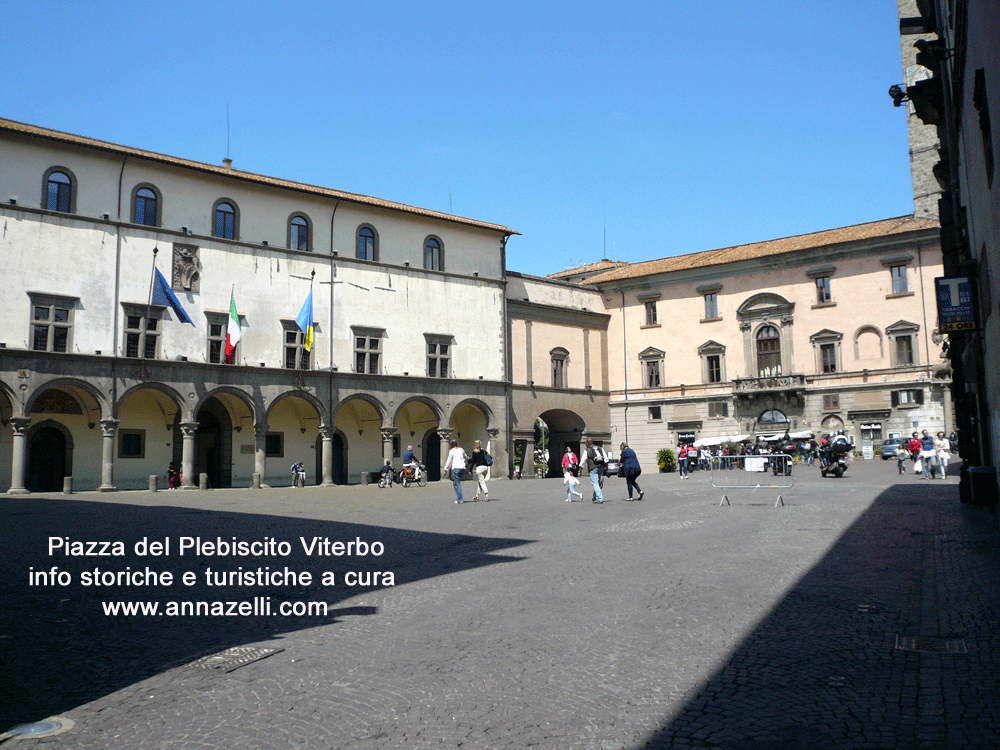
(432, 455)
(48, 460)
(214, 446)
(564, 428)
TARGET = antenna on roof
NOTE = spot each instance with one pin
(449, 200)
(227, 130)
(605, 233)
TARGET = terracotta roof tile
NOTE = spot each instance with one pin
(870, 230)
(20, 127)
(600, 265)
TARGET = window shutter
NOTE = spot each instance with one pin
(919, 394)
(895, 398)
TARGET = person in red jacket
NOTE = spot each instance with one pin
(914, 447)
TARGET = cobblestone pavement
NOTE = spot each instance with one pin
(525, 622)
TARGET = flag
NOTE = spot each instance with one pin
(305, 321)
(164, 295)
(233, 332)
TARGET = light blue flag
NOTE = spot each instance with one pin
(305, 321)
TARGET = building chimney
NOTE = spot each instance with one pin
(227, 163)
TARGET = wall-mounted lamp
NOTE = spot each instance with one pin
(238, 428)
(264, 243)
(13, 201)
(531, 383)
(302, 430)
(107, 217)
(184, 230)
(406, 373)
(360, 432)
(412, 433)
(476, 274)
(262, 364)
(406, 263)
(335, 368)
(590, 387)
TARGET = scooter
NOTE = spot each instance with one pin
(832, 461)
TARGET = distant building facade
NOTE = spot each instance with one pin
(809, 334)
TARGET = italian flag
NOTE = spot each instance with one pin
(233, 332)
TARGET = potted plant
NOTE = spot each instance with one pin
(666, 460)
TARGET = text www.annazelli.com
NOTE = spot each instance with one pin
(260, 606)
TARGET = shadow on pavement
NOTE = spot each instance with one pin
(59, 650)
(822, 670)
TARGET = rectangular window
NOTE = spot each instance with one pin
(296, 356)
(218, 327)
(908, 397)
(711, 306)
(651, 313)
(899, 285)
(396, 446)
(714, 362)
(718, 408)
(652, 373)
(558, 372)
(367, 354)
(655, 414)
(438, 359)
(828, 355)
(904, 351)
(131, 443)
(51, 325)
(274, 445)
(823, 290)
(142, 333)
(831, 402)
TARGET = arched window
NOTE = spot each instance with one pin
(298, 232)
(433, 254)
(772, 417)
(226, 223)
(768, 352)
(58, 191)
(367, 245)
(146, 207)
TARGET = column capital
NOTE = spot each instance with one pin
(260, 431)
(326, 432)
(189, 429)
(493, 432)
(445, 433)
(20, 425)
(109, 426)
(388, 433)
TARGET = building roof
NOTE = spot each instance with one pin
(601, 265)
(56, 135)
(768, 248)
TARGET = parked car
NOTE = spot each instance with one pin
(611, 467)
(888, 450)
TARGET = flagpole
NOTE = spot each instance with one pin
(149, 303)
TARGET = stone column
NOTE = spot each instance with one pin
(445, 435)
(188, 432)
(260, 451)
(387, 435)
(108, 429)
(528, 469)
(496, 449)
(326, 435)
(20, 426)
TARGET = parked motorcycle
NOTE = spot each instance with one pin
(833, 457)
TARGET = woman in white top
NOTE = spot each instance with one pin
(942, 449)
(455, 465)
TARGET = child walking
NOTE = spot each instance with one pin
(572, 482)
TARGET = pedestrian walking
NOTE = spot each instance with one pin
(595, 467)
(631, 470)
(927, 455)
(481, 468)
(942, 451)
(454, 466)
(570, 480)
(901, 455)
(682, 461)
(570, 462)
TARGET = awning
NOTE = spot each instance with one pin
(712, 441)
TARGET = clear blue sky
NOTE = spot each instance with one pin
(673, 126)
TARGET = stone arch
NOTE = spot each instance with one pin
(863, 352)
(166, 390)
(479, 404)
(430, 403)
(47, 465)
(360, 418)
(9, 405)
(565, 428)
(97, 409)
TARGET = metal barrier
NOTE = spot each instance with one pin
(740, 472)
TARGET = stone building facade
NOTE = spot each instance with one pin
(807, 334)
(101, 381)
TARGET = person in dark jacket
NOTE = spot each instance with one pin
(629, 464)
